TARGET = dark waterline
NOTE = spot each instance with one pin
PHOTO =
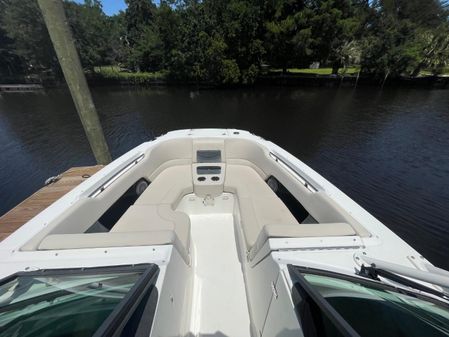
(388, 150)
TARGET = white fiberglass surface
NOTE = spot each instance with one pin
(219, 306)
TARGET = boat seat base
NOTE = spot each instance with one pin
(106, 240)
(301, 231)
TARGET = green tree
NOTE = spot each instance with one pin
(27, 39)
(142, 38)
(288, 36)
(117, 39)
(237, 23)
(334, 27)
(168, 23)
(434, 54)
(10, 63)
(91, 31)
(28, 36)
(227, 42)
(138, 15)
(397, 41)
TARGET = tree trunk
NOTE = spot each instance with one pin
(335, 67)
(417, 69)
(357, 79)
(385, 78)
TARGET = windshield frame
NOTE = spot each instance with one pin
(120, 315)
(372, 283)
(305, 295)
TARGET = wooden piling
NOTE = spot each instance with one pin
(61, 37)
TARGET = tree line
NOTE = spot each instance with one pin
(234, 41)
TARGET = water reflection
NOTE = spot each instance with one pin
(386, 149)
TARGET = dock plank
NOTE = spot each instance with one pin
(20, 87)
(43, 198)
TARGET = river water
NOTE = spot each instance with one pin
(387, 149)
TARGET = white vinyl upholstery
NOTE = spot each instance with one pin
(153, 219)
(154, 210)
(169, 167)
(326, 210)
(168, 187)
(259, 206)
(319, 205)
(263, 215)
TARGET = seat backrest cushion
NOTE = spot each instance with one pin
(168, 187)
(258, 204)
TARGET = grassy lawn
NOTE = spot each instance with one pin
(425, 72)
(115, 72)
(320, 71)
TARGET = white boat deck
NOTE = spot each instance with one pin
(219, 305)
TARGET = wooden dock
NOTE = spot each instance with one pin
(43, 198)
(20, 87)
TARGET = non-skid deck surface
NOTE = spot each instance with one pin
(43, 198)
(219, 299)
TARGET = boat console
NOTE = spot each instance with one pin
(208, 179)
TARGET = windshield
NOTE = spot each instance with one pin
(375, 311)
(62, 304)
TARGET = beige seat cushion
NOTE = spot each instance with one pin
(169, 187)
(245, 182)
(113, 239)
(260, 209)
(154, 209)
(324, 209)
(259, 205)
(301, 231)
(140, 218)
(181, 222)
(153, 218)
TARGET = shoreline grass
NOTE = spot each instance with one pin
(117, 73)
(319, 71)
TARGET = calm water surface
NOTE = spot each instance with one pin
(388, 150)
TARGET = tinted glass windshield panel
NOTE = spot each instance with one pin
(61, 305)
(208, 156)
(373, 311)
(208, 170)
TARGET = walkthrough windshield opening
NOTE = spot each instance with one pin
(79, 302)
(330, 304)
